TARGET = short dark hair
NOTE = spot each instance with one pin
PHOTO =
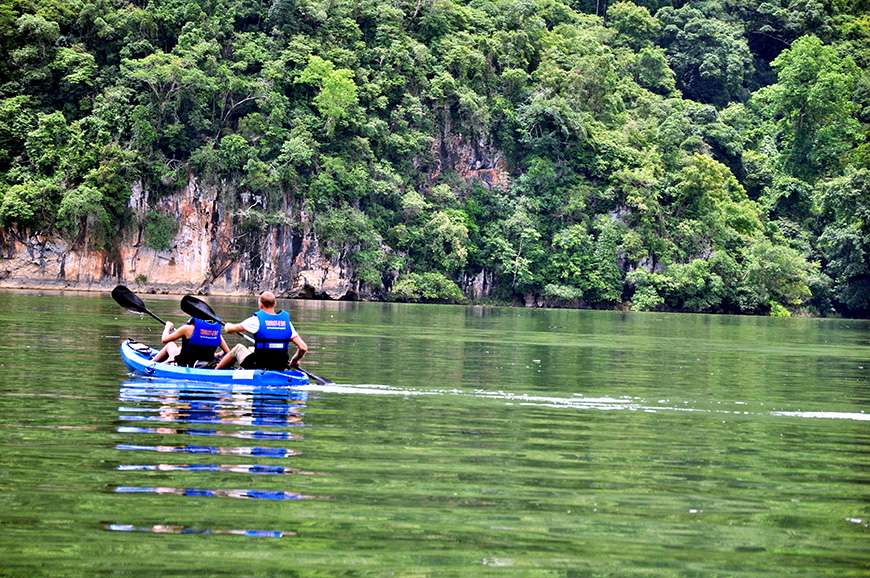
(267, 299)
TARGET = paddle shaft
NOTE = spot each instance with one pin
(155, 317)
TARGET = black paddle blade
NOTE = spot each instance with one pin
(128, 300)
(199, 309)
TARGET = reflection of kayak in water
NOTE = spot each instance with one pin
(155, 390)
(174, 529)
(206, 493)
(137, 357)
(263, 452)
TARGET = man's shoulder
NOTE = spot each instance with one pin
(251, 324)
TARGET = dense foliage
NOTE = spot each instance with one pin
(704, 156)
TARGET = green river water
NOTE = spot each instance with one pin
(468, 441)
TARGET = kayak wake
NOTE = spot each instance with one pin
(577, 401)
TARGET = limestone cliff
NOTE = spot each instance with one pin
(214, 252)
(209, 253)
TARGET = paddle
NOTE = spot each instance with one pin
(202, 310)
(130, 301)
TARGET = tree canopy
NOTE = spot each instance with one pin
(706, 156)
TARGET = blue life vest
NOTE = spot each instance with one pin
(200, 346)
(275, 331)
(205, 334)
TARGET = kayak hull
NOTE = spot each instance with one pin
(138, 360)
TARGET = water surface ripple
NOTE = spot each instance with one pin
(460, 441)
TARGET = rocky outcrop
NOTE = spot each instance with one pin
(35, 261)
(212, 252)
(218, 249)
(475, 160)
(479, 286)
(319, 277)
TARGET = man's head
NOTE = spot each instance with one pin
(266, 300)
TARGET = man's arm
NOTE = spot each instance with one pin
(224, 347)
(170, 335)
(251, 325)
(301, 350)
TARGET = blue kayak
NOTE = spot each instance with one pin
(138, 358)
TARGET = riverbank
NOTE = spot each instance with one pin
(105, 287)
(29, 286)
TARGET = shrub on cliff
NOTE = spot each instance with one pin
(429, 287)
(160, 229)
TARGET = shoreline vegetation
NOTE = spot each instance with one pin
(705, 157)
(176, 291)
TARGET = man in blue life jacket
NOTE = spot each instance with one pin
(199, 340)
(273, 333)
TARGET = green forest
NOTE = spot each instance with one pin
(709, 156)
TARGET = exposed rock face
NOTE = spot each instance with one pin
(214, 251)
(318, 276)
(532, 300)
(187, 265)
(480, 286)
(473, 161)
(38, 261)
(210, 253)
